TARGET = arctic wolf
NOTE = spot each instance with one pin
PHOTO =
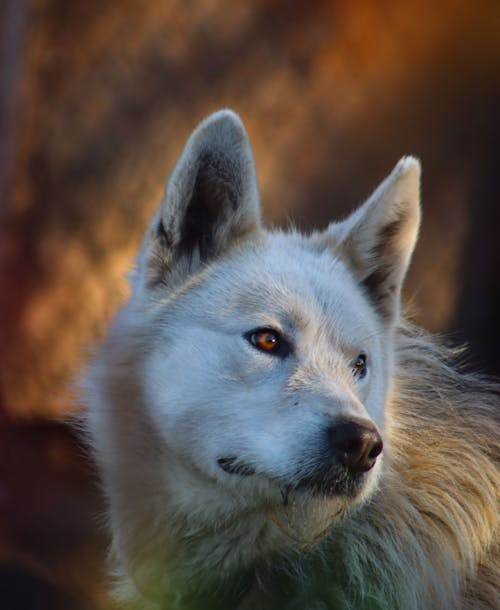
(269, 432)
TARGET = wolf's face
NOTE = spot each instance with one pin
(273, 369)
(269, 361)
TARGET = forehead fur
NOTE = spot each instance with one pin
(281, 280)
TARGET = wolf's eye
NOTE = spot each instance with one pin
(268, 340)
(359, 366)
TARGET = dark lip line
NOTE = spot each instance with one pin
(228, 465)
(232, 466)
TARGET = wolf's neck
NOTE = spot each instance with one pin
(263, 552)
(228, 552)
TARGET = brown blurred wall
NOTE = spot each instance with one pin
(96, 100)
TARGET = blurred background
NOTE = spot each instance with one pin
(96, 100)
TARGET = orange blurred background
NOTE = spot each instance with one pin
(96, 101)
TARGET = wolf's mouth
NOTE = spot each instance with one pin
(336, 481)
(331, 481)
(233, 466)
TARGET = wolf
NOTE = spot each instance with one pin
(270, 432)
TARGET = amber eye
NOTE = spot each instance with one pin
(359, 366)
(268, 340)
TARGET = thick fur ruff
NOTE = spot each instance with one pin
(181, 388)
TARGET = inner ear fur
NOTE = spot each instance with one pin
(211, 199)
(378, 239)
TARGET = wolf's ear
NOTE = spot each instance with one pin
(378, 239)
(211, 200)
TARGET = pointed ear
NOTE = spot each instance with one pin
(211, 200)
(378, 239)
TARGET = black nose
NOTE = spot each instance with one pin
(355, 445)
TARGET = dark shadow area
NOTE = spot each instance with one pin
(23, 590)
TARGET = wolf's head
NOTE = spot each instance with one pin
(254, 366)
